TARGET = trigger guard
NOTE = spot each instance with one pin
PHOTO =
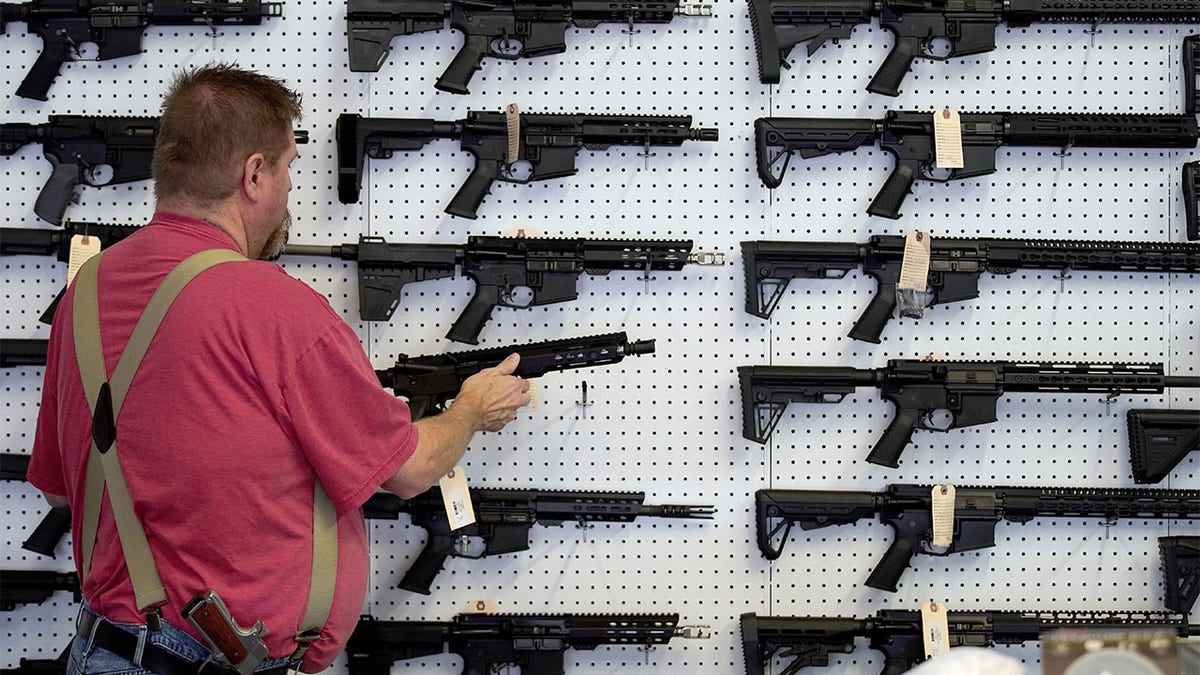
(506, 48)
(463, 548)
(93, 173)
(926, 417)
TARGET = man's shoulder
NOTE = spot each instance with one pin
(262, 289)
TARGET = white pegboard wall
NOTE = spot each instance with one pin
(668, 424)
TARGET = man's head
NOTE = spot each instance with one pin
(225, 142)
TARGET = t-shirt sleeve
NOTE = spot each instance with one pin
(354, 432)
(46, 471)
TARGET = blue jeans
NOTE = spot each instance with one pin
(88, 659)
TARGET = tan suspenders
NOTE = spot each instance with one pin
(105, 397)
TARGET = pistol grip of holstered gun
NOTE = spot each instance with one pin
(897, 64)
(55, 52)
(468, 198)
(887, 573)
(891, 196)
(468, 60)
(467, 326)
(429, 562)
(870, 325)
(891, 444)
(56, 194)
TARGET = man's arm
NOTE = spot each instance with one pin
(487, 401)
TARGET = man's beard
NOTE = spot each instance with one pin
(275, 245)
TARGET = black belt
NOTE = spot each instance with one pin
(154, 658)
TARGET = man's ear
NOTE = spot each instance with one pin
(252, 170)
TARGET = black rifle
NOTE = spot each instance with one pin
(533, 642)
(1159, 440)
(1191, 199)
(547, 143)
(1191, 71)
(503, 519)
(76, 145)
(115, 27)
(503, 29)
(955, 266)
(968, 27)
(16, 353)
(41, 666)
(908, 509)
(909, 137)
(429, 382)
(57, 243)
(56, 522)
(549, 268)
(34, 586)
(898, 634)
(968, 390)
(1181, 572)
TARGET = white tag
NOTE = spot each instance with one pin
(935, 628)
(512, 117)
(456, 497)
(947, 139)
(83, 248)
(914, 269)
(481, 607)
(533, 395)
(943, 515)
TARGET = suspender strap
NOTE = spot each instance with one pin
(324, 568)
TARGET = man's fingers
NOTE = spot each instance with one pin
(509, 364)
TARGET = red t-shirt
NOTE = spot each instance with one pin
(252, 387)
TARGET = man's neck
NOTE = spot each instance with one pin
(225, 220)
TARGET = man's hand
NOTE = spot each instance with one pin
(491, 397)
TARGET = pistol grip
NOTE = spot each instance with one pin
(870, 325)
(891, 445)
(887, 574)
(56, 194)
(55, 52)
(466, 202)
(897, 64)
(468, 60)
(477, 312)
(891, 196)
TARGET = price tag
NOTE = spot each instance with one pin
(943, 515)
(83, 248)
(935, 629)
(457, 499)
(512, 117)
(481, 607)
(947, 139)
(914, 269)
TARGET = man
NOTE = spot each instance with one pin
(253, 396)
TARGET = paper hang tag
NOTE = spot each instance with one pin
(456, 497)
(943, 515)
(481, 607)
(83, 248)
(947, 139)
(935, 627)
(512, 117)
(914, 268)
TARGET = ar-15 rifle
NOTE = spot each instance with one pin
(429, 382)
(909, 137)
(533, 642)
(968, 390)
(16, 353)
(898, 634)
(56, 522)
(34, 586)
(503, 519)
(504, 29)
(968, 28)
(1191, 72)
(77, 146)
(115, 27)
(1159, 440)
(57, 243)
(1181, 572)
(955, 266)
(546, 145)
(908, 509)
(549, 268)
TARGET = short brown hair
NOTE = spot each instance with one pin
(213, 118)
